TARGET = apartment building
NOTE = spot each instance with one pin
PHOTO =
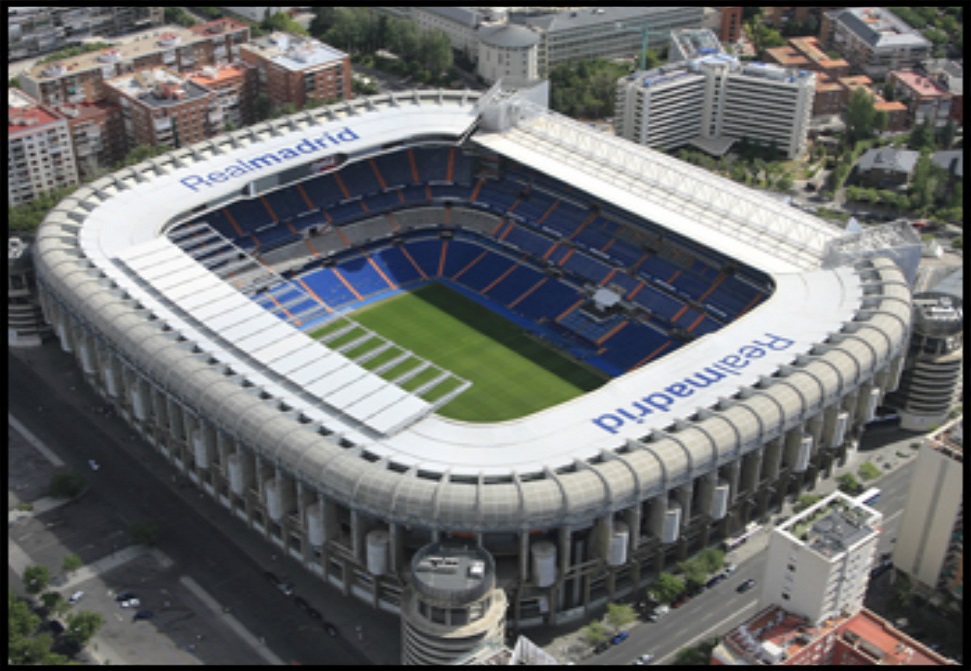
(948, 74)
(235, 86)
(160, 107)
(930, 540)
(96, 135)
(873, 40)
(297, 70)
(925, 98)
(819, 560)
(716, 98)
(39, 154)
(32, 31)
(81, 78)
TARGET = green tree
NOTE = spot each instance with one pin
(694, 572)
(66, 485)
(21, 621)
(947, 134)
(144, 533)
(804, 501)
(848, 483)
(620, 614)
(81, 626)
(666, 588)
(595, 632)
(36, 578)
(860, 115)
(71, 563)
(713, 559)
(922, 136)
(868, 471)
(54, 602)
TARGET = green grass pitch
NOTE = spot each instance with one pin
(512, 374)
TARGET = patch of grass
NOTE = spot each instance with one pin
(512, 374)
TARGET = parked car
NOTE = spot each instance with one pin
(124, 596)
(620, 637)
(143, 615)
(74, 598)
(271, 576)
(680, 601)
(644, 659)
(93, 465)
(131, 603)
(659, 612)
(603, 645)
(285, 587)
(330, 629)
(729, 569)
(746, 585)
(714, 580)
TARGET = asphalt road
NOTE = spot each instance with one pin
(206, 543)
(717, 610)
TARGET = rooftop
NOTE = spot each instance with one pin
(920, 83)
(775, 636)
(158, 87)
(833, 525)
(881, 28)
(215, 75)
(456, 573)
(23, 112)
(295, 53)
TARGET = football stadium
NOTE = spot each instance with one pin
(448, 316)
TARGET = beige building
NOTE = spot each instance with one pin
(819, 560)
(296, 70)
(930, 544)
(713, 99)
(508, 52)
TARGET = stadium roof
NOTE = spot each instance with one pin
(809, 303)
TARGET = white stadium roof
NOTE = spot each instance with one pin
(124, 237)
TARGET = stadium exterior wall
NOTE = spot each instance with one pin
(770, 441)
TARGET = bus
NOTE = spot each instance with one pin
(869, 497)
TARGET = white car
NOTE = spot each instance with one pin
(644, 659)
(659, 612)
(94, 465)
(131, 603)
(75, 597)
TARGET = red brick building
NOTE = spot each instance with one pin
(297, 70)
(160, 107)
(235, 87)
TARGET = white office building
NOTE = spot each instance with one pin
(714, 99)
(819, 561)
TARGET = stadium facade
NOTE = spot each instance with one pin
(772, 361)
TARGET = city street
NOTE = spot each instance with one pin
(203, 542)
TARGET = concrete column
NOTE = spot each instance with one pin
(397, 558)
(359, 527)
(564, 544)
(603, 530)
(750, 467)
(523, 556)
(732, 472)
(633, 518)
(683, 495)
(705, 486)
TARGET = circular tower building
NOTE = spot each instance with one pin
(451, 607)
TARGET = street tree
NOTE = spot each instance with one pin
(36, 578)
(595, 632)
(71, 563)
(81, 626)
(620, 614)
(666, 588)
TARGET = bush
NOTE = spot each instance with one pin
(595, 632)
(868, 471)
(36, 578)
(67, 485)
(72, 563)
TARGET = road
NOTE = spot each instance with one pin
(715, 611)
(205, 542)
